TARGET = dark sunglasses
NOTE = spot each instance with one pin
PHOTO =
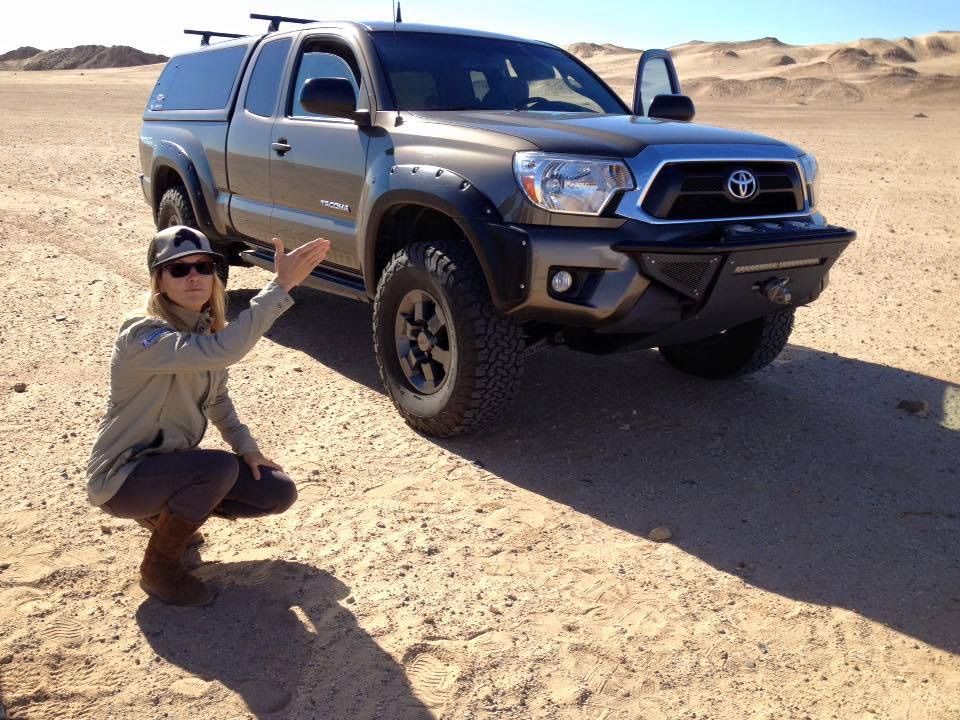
(182, 269)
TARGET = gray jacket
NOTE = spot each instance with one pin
(165, 385)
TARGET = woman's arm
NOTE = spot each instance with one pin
(152, 346)
(223, 415)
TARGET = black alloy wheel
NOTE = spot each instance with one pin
(423, 342)
(448, 359)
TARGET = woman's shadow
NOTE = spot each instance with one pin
(278, 637)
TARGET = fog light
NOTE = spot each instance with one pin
(561, 281)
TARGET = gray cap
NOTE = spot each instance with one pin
(176, 242)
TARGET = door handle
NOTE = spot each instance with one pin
(280, 147)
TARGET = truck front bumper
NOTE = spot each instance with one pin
(681, 283)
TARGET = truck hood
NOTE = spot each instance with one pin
(589, 134)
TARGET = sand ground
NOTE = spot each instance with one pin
(814, 570)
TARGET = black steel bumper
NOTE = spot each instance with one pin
(676, 284)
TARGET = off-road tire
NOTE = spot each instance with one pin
(487, 348)
(740, 350)
(175, 209)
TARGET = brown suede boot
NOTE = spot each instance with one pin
(151, 522)
(162, 573)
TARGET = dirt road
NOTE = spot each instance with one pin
(814, 569)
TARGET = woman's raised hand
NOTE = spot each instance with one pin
(294, 266)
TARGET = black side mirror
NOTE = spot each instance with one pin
(656, 74)
(672, 107)
(333, 97)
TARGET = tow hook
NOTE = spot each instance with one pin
(776, 291)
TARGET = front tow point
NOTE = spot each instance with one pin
(776, 291)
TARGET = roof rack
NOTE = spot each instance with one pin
(205, 35)
(275, 20)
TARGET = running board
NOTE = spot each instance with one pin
(320, 279)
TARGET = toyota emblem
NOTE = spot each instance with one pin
(742, 185)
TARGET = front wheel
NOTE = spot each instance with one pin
(449, 361)
(738, 351)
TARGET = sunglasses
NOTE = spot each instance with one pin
(182, 269)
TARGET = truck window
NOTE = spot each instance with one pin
(198, 81)
(419, 87)
(264, 83)
(436, 71)
(481, 86)
(320, 63)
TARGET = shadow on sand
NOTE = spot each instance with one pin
(804, 479)
(278, 637)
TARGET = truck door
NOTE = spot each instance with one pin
(317, 165)
(248, 141)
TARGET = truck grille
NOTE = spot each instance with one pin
(697, 191)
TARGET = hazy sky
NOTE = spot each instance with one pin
(158, 26)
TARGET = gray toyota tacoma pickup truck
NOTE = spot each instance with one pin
(489, 195)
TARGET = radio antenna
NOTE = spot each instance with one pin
(396, 19)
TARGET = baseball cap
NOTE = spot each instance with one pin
(176, 242)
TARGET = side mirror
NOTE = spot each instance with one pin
(672, 107)
(334, 97)
(656, 75)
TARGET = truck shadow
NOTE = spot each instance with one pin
(805, 479)
(279, 638)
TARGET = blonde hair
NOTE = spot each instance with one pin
(158, 305)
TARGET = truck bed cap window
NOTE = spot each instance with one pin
(198, 81)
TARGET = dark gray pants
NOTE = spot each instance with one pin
(196, 483)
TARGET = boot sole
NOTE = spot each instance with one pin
(211, 596)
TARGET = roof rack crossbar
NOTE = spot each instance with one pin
(275, 20)
(205, 35)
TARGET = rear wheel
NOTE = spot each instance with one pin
(449, 361)
(738, 351)
(175, 209)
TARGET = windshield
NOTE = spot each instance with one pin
(431, 71)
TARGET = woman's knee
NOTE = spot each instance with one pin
(284, 492)
(222, 469)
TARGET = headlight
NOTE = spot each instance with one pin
(809, 165)
(569, 184)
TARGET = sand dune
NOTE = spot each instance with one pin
(588, 49)
(21, 53)
(926, 66)
(79, 57)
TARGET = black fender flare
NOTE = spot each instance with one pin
(503, 251)
(172, 156)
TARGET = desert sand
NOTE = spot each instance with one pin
(814, 565)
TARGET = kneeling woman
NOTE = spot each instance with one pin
(168, 377)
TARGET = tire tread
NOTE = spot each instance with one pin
(491, 377)
(741, 351)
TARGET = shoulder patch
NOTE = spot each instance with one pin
(154, 336)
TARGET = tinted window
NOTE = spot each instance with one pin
(320, 65)
(433, 71)
(480, 85)
(264, 83)
(200, 81)
(655, 81)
